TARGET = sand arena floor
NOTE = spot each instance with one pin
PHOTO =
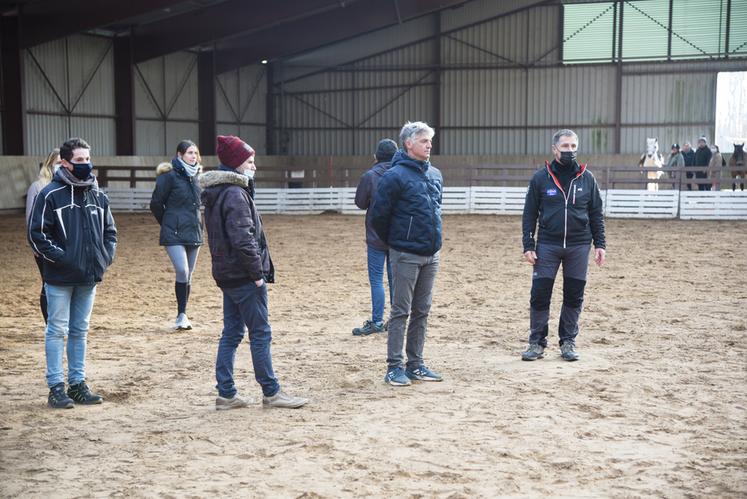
(656, 406)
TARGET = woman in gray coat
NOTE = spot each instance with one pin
(176, 205)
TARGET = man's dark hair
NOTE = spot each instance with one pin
(66, 149)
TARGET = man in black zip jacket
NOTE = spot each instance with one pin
(72, 228)
(564, 197)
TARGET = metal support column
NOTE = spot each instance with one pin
(619, 80)
(437, 79)
(14, 115)
(124, 96)
(206, 101)
(269, 110)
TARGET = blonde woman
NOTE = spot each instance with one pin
(46, 173)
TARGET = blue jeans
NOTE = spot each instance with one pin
(376, 260)
(245, 306)
(69, 309)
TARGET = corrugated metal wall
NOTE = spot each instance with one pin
(165, 103)
(241, 105)
(501, 89)
(69, 92)
(488, 75)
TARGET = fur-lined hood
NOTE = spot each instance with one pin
(163, 168)
(217, 177)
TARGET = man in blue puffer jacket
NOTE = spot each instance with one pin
(406, 214)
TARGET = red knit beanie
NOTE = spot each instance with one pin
(232, 151)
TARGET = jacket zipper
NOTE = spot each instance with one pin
(566, 197)
(408, 230)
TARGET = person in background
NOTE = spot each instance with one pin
(176, 205)
(715, 166)
(689, 156)
(675, 160)
(46, 173)
(241, 267)
(72, 228)
(377, 250)
(703, 158)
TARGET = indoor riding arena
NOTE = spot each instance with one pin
(655, 405)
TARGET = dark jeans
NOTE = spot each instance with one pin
(575, 260)
(245, 306)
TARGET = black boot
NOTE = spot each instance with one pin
(81, 394)
(58, 399)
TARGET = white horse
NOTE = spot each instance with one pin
(651, 163)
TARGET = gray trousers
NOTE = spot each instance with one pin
(412, 294)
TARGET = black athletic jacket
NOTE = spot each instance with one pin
(72, 228)
(565, 218)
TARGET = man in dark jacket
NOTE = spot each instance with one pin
(72, 228)
(377, 249)
(703, 158)
(565, 197)
(241, 268)
(406, 215)
(689, 156)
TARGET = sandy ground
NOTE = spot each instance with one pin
(656, 406)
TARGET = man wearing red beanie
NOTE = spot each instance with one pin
(241, 268)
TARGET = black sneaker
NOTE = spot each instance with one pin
(81, 394)
(58, 399)
(368, 328)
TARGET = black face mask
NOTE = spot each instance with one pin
(82, 170)
(568, 158)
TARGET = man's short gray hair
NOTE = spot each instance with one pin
(562, 133)
(410, 130)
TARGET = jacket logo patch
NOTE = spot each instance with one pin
(551, 192)
(579, 189)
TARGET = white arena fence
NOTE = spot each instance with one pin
(618, 203)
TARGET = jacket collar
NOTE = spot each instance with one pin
(550, 167)
(220, 176)
(555, 167)
(401, 158)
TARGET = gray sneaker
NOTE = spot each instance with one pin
(235, 402)
(282, 399)
(534, 352)
(568, 351)
(182, 323)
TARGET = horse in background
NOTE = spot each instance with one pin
(737, 161)
(651, 163)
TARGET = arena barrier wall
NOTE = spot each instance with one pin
(618, 203)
